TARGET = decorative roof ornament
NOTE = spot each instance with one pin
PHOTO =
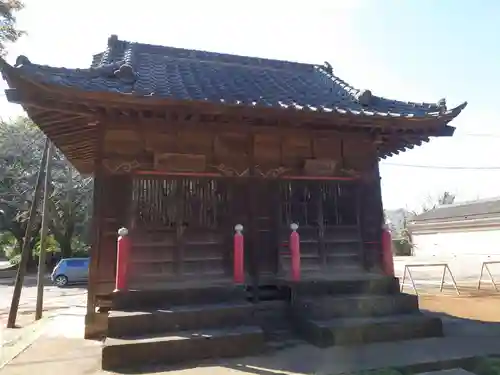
(365, 97)
(112, 40)
(22, 60)
(442, 105)
(328, 67)
(126, 73)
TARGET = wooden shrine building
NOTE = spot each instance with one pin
(186, 144)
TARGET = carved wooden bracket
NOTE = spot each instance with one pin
(271, 173)
(230, 172)
(120, 166)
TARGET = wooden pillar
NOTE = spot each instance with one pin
(180, 226)
(371, 218)
(91, 323)
(318, 197)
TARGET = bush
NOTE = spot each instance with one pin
(402, 248)
(488, 366)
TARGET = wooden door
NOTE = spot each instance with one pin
(181, 231)
(328, 217)
(301, 204)
(264, 229)
(251, 205)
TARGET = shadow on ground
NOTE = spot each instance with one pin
(30, 281)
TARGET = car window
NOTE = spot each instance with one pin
(80, 263)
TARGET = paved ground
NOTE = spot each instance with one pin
(54, 297)
(59, 349)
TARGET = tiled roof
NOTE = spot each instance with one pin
(166, 72)
(465, 210)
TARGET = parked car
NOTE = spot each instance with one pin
(70, 271)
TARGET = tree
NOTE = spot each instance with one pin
(404, 244)
(21, 148)
(69, 206)
(8, 30)
(444, 198)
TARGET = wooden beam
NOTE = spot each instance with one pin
(149, 109)
(20, 97)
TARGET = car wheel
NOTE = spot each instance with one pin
(61, 280)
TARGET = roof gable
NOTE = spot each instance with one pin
(165, 72)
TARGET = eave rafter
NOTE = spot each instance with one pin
(72, 118)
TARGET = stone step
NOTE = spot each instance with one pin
(177, 318)
(329, 307)
(349, 285)
(177, 295)
(353, 331)
(183, 346)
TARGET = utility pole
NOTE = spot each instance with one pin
(21, 271)
(43, 234)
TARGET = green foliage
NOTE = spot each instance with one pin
(487, 366)
(51, 246)
(7, 242)
(80, 248)
(8, 30)
(402, 241)
(402, 247)
(21, 149)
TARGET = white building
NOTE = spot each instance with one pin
(458, 230)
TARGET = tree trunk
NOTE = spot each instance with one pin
(66, 250)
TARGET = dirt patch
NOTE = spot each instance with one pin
(482, 308)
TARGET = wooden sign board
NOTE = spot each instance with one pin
(180, 162)
(320, 167)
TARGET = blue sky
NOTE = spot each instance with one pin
(418, 50)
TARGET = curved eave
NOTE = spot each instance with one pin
(13, 73)
(432, 124)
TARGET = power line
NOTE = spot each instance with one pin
(485, 135)
(448, 167)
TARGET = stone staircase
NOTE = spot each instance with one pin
(172, 326)
(358, 312)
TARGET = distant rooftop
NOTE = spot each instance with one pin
(478, 208)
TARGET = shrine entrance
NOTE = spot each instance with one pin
(182, 228)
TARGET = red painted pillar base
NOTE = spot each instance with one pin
(295, 252)
(387, 255)
(122, 259)
(239, 256)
